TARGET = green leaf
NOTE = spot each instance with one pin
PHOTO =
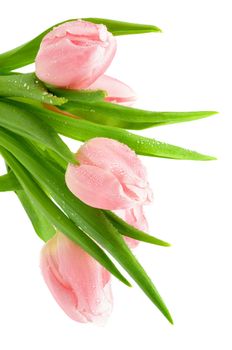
(27, 124)
(56, 217)
(27, 86)
(55, 159)
(9, 182)
(78, 95)
(129, 118)
(84, 130)
(130, 231)
(25, 54)
(90, 220)
(44, 229)
(124, 28)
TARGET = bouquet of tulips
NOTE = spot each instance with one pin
(87, 207)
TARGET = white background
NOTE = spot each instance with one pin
(187, 67)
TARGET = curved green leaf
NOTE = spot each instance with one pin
(130, 231)
(25, 54)
(83, 130)
(78, 95)
(27, 86)
(127, 117)
(9, 182)
(124, 28)
(42, 226)
(25, 123)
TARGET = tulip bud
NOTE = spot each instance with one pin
(74, 54)
(110, 176)
(80, 285)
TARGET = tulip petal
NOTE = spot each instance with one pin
(117, 91)
(96, 187)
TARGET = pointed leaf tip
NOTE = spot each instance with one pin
(170, 319)
(166, 244)
(209, 158)
(167, 314)
(157, 241)
(156, 29)
(209, 113)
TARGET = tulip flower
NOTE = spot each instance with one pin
(134, 217)
(109, 176)
(80, 285)
(74, 54)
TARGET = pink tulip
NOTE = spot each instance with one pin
(80, 285)
(74, 54)
(110, 176)
(117, 91)
(134, 217)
